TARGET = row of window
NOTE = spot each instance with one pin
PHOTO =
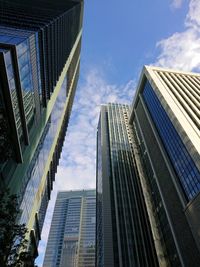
(186, 170)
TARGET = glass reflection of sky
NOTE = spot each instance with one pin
(42, 152)
(20, 39)
(25, 72)
(184, 166)
(10, 39)
(13, 92)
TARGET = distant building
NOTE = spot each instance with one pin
(148, 174)
(39, 67)
(71, 241)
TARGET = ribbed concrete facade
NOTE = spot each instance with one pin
(165, 120)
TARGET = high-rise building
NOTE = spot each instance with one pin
(71, 241)
(123, 232)
(148, 174)
(166, 127)
(40, 44)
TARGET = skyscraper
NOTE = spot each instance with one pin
(71, 241)
(148, 174)
(39, 66)
(166, 127)
(123, 232)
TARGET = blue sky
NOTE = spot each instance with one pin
(119, 37)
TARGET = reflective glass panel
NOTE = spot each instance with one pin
(42, 152)
(186, 170)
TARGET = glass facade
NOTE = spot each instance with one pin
(26, 80)
(36, 168)
(185, 168)
(71, 241)
(24, 51)
(39, 56)
(13, 92)
(131, 241)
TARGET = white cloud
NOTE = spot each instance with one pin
(193, 18)
(182, 49)
(176, 4)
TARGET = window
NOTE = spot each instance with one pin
(184, 166)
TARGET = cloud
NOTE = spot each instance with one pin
(182, 49)
(176, 4)
(193, 18)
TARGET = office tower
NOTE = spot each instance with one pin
(123, 232)
(39, 66)
(71, 241)
(165, 118)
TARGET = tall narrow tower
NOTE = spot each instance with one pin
(39, 66)
(123, 233)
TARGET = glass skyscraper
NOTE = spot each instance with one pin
(39, 66)
(148, 174)
(71, 241)
(123, 234)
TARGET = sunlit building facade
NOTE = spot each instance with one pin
(71, 241)
(39, 66)
(165, 118)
